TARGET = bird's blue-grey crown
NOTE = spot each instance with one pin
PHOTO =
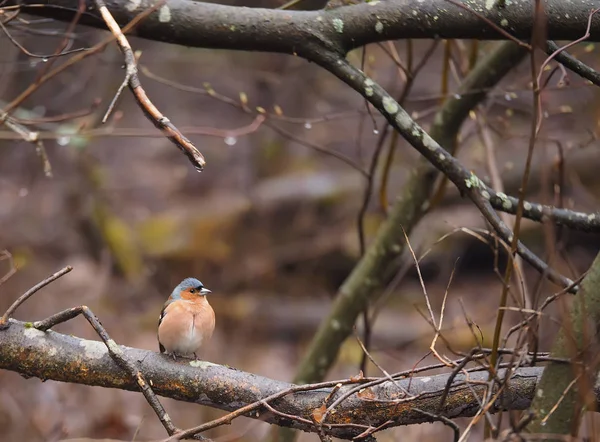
(189, 283)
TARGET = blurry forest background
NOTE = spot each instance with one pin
(271, 225)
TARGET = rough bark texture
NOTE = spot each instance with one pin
(207, 25)
(370, 274)
(577, 340)
(54, 356)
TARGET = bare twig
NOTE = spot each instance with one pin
(31, 137)
(487, 21)
(4, 321)
(116, 354)
(572, 63)
(224, 420)
(466, 181)
(132, 79)
(562, 396)
(567, 46)
(442, 419)
(5, 254)
(14, 41)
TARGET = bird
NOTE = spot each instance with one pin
(187, 320)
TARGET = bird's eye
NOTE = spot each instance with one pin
(192, 290)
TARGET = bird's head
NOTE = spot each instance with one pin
(189, 289)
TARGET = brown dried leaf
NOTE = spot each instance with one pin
(317, 413)
(366, 393)
(360, 376)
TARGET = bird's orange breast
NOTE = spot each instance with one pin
(186, 325)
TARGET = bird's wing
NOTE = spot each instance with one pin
(163, 313)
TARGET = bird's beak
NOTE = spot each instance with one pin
(205, 291)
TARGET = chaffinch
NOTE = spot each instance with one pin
(186, 321)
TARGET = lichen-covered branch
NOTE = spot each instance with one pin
(467, 182)
(564, 390)
(208, 25)
(317, 35)
(54, 356)
(371, 272)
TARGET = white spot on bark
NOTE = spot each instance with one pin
(527, 206)
(425, 380)
(430, 143)
(379, 27)
(506, 204)
(472, 182)
(404, 121)
(93, 349)
(33, 333)
(132, 5)
(201, 364)
(504, 22)
(164, 14)
(390, 106)
(338, 25)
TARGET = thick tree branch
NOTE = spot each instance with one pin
(563, 392)
(329, 34)
(54, 356)
(208, 25)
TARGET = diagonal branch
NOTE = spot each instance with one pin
(467, 182)
(131, 78)
(116, 354)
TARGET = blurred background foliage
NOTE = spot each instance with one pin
(270, 226)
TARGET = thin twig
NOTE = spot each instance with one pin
(152, 113)
(421, 281)
(4, 321)
(224, 420)
(116, 353)
(490, 23)
(22, 48)
(442, 419)
(466, 181)
(5, 254)
(568, 45)
(572, 63)
(30, 137)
